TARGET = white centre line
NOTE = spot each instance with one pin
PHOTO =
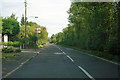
(86, 73)
(70, 58)
(64, 52)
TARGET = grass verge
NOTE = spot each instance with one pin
(8, 56)
(108, 56)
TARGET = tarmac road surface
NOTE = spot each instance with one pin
(59, 62)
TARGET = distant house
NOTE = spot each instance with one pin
(4, 38)
(0, 37)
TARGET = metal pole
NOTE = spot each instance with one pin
(25, 19)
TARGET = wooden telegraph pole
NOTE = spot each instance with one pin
(25, 19)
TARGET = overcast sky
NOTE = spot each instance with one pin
(52, 13)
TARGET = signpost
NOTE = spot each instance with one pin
(34, 44)
(38, 30)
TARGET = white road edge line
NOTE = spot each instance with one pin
(98, 58)
(9, 73)
(70, 58)
(102, 59)
(86, 73)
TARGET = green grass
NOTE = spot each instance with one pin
(108, 56)
(10, 55)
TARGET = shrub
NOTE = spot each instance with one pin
(17, 50)
(4, 43)
(10, 50)
(4, 49)
(16, 44)
(41, 46)
(10, 43)
(7, 50)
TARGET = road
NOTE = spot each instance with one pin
(60, 62)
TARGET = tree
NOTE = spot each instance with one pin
(0, 25)
(32, 35)
(10, 26)
(92, 26)
(22, 20)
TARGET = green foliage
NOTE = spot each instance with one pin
(3, 43)
(40, 46)
(92, 26)
(32, 35)
(10, 26)
(10, 43)
(4, 49)
(0, 25)
(7, 50)
(10, 56)
(22, 20)
(31, 23)
(16, 44)
(10, 50)
(43, 36)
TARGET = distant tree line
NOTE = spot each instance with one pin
(92, 26)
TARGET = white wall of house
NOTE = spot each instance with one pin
(5, 38)
(0, 38)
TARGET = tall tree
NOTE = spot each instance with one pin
(32, 34)
(22, 20)
(10, 26)
(92, 26)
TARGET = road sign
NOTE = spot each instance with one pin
(38, 30)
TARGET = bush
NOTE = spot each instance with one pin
(41, 46)
(10, 43)
(4, 43)
(4, 49)
(10, 50)
(17, 50)
(7, 50)
(16, 44)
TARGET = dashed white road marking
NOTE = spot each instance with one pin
(70, 58)
(87, 74)
(60, 50)
(64, 52)
(84, 71)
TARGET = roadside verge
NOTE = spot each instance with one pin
(9, 66)
(104, 56)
